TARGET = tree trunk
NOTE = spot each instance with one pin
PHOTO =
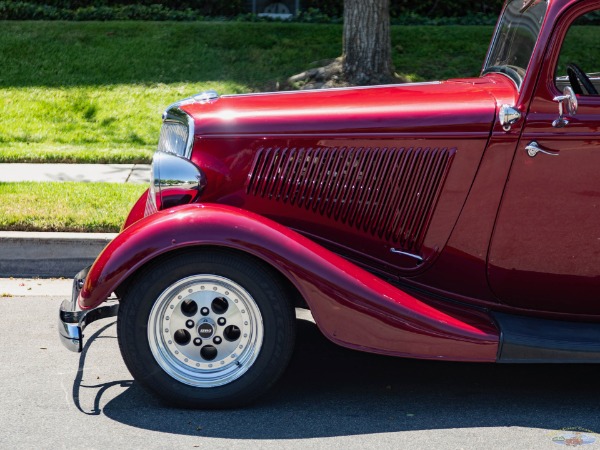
(367, 52)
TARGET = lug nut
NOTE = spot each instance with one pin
(217, 340)
(189, 323)
(221, 321)
(204, 311)
(197, 342)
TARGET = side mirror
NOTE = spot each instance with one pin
(568, 100)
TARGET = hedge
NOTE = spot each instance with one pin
(425, 8)
(201, 7)
(191, 9)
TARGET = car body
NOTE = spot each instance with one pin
(453, 220)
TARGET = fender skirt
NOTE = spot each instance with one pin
(351, 306)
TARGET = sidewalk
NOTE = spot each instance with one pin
(36, 287)
(59, 254)
(108, 173)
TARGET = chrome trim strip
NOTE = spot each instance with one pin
(410, 255)
(594, 77)
(190, 140)
(495, 39)
(322, 136)
(342, 89)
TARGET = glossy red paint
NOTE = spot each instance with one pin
(137, 211)
(528, 223)
(444, 109)
(351, 306)
(351, 193)
(425, 119)
(545, 249)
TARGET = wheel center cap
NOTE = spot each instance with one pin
(206, 330)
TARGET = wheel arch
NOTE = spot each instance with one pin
(296, 296)
(351, 306)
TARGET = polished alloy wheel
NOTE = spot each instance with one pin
(205, 330)
(211, 328)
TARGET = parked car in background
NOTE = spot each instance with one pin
(454, 220)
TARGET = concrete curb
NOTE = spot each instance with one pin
(26, 254)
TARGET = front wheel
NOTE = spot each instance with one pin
(211, 329)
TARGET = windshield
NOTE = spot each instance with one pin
(515, 38)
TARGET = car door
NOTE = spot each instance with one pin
(545, 249)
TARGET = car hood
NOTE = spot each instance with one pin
(462, 105)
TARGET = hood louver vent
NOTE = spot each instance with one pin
(389, 193)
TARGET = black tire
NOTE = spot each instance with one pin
(166, 362)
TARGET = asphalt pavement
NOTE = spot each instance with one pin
(329, 398)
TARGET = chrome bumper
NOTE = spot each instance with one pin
(72, 320)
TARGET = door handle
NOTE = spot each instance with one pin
(533, 149)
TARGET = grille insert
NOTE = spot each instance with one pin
(389, 193)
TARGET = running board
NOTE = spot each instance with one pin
(531, 340)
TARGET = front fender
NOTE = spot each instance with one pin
(351, 306)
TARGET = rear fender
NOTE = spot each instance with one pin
(351, 306)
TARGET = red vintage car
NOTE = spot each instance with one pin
(455, 220)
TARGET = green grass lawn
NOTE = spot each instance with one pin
(66, 206)
(94, 92)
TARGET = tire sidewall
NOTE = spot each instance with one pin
(264, 289)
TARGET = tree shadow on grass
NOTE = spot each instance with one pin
(63, 54)
(251, 56)
(330, 391)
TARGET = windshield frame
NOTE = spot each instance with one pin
(506, 43)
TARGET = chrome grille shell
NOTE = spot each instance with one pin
(177, 133)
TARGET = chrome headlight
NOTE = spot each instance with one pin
(177, 133)
(174, 181)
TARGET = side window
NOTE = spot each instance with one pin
(579, 60)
